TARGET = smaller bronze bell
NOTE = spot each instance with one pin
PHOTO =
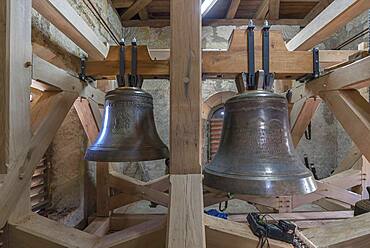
(129, 132)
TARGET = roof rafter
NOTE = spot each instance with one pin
(135, 9)
(233, 8)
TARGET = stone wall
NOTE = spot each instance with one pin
(68, 181)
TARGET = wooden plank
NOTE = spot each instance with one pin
(262, 10)
(274, 9)
(304, 117)
(221, 233)
(150, 233)
(185, 224)
(185, 92)
(160, 23)
(135, 9)
(132, 186)
(99, 227)
(325, 215)
(18, 178)
(119, 222)
(338, 13)
(122, 3)
(353, 112)
(15, 80)
(353, 232)
(230, 62)
(320, 6)
(87, 119)
(233, 8)
(352, 156)
(36, 231)
(62, 15)
(102, 190)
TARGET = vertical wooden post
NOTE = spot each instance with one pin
(15, 81)
(89, 115)
(185, 222)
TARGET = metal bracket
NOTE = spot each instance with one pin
(134, 79)
(82, 75)
(316, 62)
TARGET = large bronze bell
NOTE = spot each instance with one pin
(128, 132)
(256, 155)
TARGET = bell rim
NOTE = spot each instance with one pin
(262, 186)
(123, 155)
(253, 94)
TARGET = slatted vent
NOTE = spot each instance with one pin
(215, 131)
(40, 186)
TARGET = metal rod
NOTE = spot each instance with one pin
(122, 65)
(133, 82)
(251, 85)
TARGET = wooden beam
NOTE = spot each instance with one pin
(99, 226)
(303, 118)
(135, 9)
(122, 3)
(274, 9)
(151, 233)
(160, 23)
(221, 233)
(353, 76)
(233, 8)
(45, 73)
(353, 112)
(228, 63)
(36, 231)
(319, 7)
(18, 178)
(15, 81)
(185, 224)
(87, 119)
(143, 14)
(338, 13)
(262, 10)
(185, 104)
(340, 235)
(62, 15)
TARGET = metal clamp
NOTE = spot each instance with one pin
(134, 79)
(82, 75)
(316, 62)
(268, 80)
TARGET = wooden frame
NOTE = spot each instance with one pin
(30, 130)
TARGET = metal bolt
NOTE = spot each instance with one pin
(27, 64)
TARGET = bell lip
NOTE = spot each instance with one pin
(122, 154)
(261, 187)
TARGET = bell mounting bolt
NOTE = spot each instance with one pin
(251, 85)
(268, 79)
(122, 56)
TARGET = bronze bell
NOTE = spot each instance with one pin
(256, 154)
(129, 132)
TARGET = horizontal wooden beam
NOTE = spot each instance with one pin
(337, 14)
(62, 15)
(36, 231)
(99, 226)
(227, 63)
(160, 23)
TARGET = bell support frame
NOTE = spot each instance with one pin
(25, 229)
